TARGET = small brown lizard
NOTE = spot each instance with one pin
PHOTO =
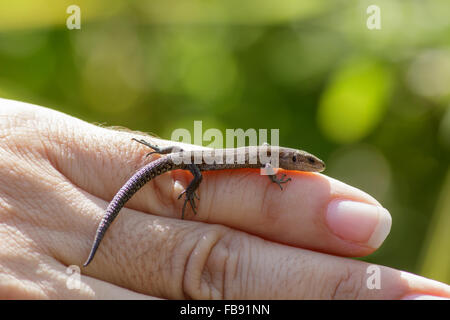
(204, 160)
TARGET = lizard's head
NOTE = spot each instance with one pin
(292, 159)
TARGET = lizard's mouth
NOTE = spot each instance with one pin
(317, 166)
(322, 166)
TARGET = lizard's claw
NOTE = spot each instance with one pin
(150, 153)
(190, 197)
(145, 143)
(280, 181)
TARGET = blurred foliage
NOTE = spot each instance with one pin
(374, 104)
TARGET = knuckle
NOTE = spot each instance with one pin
(212, 264)
(346, 285)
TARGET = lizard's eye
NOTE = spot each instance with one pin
(294, 158)
(311, 160)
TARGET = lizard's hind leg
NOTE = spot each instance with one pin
(158, 150)
(190, 190)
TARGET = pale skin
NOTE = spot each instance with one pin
(248, 240)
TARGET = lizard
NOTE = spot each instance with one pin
(203, 160)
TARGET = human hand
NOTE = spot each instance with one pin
(249, 239)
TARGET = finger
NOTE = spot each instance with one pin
(177, 259)
(312, 211)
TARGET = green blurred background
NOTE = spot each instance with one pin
(374, 104)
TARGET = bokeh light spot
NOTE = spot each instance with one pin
(354, 101)
(429, 74)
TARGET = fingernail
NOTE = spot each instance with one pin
(423, 297)
(359, 222)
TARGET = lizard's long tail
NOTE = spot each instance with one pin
(137, 181)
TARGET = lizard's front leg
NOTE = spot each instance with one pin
(273, 176)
